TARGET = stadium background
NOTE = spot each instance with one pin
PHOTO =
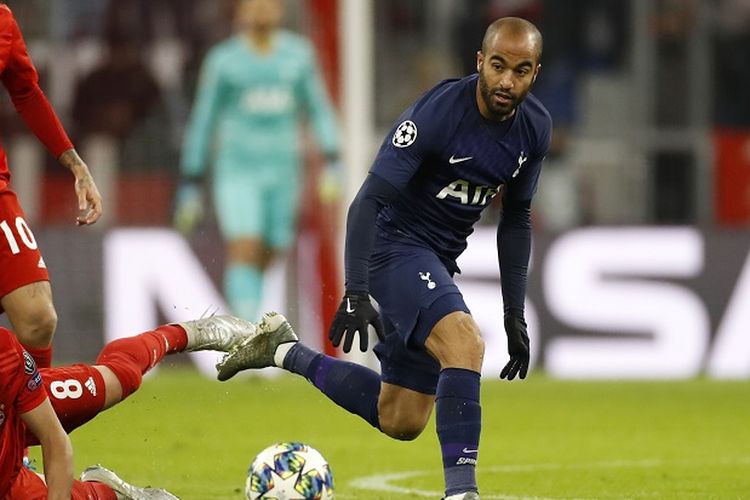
(652, 130)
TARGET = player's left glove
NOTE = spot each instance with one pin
(354, 315)
(329, 182)
(518, 345)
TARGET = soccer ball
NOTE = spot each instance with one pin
(289, 471)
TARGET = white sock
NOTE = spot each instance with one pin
(281, 351)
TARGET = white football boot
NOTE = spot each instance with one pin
(217, 333)
(123, 490)
(257, 350)
(469, 495)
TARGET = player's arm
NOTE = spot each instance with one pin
(316, 102)
(22, 81)
(89, 199)
(356, 311)
(200, 127)
(57, 451)
(397, 161)
(196, 146)
(514, 249)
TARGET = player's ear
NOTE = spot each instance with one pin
(536, 72)
(480, 58)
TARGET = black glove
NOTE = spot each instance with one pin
(518, 345)
(354, 314)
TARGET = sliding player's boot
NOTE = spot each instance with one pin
(217, 333)
(123, 490)
(257, 350)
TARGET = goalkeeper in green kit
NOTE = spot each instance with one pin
(254, 93)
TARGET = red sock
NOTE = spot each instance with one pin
(42, 355)
(130, 358)
(91, 490)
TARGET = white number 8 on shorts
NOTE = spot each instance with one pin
(63, 389)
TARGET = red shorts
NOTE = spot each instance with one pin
(21, 261)
(76, 393)
(29, 486)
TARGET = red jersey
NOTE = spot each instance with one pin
(20, 78)
(21, 390)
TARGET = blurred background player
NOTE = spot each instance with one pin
(459, 145)
(78, 393)
(25, 292)
(254, 90)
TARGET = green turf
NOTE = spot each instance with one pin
(540, 439)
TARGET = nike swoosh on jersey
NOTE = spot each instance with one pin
(453, 160)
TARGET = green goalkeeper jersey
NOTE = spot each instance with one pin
(248, 109)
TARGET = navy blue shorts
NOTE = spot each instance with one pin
(414, 290)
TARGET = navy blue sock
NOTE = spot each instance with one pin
(351, 386)
(459, 421)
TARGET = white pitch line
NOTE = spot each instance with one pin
(383, 482)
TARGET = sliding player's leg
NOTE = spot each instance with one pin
(98, 478)
(97, 483)
(80, 392)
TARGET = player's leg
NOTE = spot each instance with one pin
(239, 211)
(243, 278)
(80, 392)
(25, 292)
(456, 343)
(123, 362)
(97, 483)
(30, 485)
(400, 409)
(439, 351)
(353, 387)
(32, 314)
(101, 477)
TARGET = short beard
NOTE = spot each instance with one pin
(497, 113)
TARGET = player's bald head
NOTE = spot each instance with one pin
(516, 28)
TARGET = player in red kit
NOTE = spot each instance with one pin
(77, 393)
(25, 292)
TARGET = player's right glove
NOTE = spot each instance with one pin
(354, 315)
(189, 208)
(518, 345)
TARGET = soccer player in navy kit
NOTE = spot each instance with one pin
(462, 143)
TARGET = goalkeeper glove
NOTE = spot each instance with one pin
(189, 208)
(354, 315)
(329, 182)
(518, 345)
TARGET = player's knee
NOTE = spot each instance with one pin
(38, 327)
(404, 428)
(458, 344)
(127, 372)
(474, 345)
(401, 422)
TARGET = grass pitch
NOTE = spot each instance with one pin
(541, 439)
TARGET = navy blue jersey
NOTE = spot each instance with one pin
(448, 162)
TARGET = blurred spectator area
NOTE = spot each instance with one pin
(121, 76)
(649, 98)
